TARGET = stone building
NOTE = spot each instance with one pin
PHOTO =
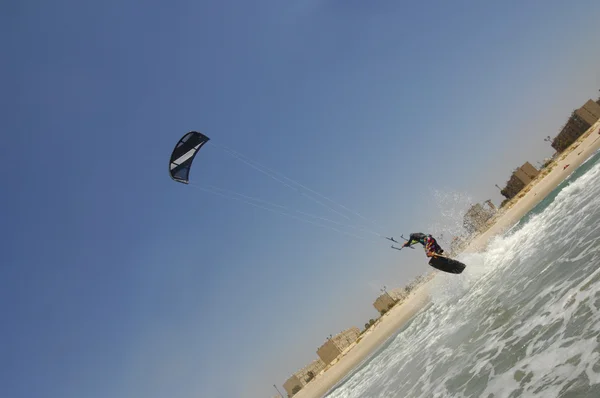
(477, 216)
(334, 346)
(387, 300)
(579, 122)
(299, 379)
(519, 179)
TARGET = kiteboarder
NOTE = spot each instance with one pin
(435, 252)
(429, 243)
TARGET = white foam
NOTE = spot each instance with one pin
(524, 315)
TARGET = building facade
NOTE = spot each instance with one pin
(383, 303)
(513, 187)
(457, 244)
(387, 300)
(579, 122)
(299, 379)
(477, 216)
(527, 172)
(590, 112)
(519, 179)
(334, 346)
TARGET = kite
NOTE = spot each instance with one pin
(183, 155)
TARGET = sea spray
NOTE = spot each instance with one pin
(450, 209)
(522, 320)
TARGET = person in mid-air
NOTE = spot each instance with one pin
(429, 243)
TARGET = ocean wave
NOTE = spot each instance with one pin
(522, 320)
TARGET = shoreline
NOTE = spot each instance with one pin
(531, 195)
(537, 190)
(370, 341)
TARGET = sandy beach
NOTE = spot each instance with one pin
(541, 186)
(370, 341)
(527, 199)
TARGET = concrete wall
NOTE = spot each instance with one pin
(476, 217)
(520, 177)
(387, 299)
(328, 351)
(529, 170)
(513, 186)
(398, 294)
(300, 378)
(590, 112)
(347, 337)
(577, 124)
(290, 384)
(572, 130)
(338, 343)
(384, 302)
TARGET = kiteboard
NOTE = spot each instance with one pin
(447, 264)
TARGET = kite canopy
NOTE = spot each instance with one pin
(183, 155)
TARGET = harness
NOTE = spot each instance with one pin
(424, 241)
(428, 242)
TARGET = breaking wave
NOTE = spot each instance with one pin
(522, 320)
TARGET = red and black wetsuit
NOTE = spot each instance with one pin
(428, 242)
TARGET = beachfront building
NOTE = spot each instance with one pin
(477, 216)
(387, 300)
(457, 244)
(580, 121)
(383, 303)
(299, 379)
(519, 179)
(335, 345)
(512, 188)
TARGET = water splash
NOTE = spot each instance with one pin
(522, 320)
(451, 206)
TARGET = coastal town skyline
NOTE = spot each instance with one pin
(475, 220)
(406, 115)
(477, 223)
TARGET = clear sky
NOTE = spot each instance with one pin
(115, 281)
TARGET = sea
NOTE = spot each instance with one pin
(523, 319)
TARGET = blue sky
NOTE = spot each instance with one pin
(116, 281)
